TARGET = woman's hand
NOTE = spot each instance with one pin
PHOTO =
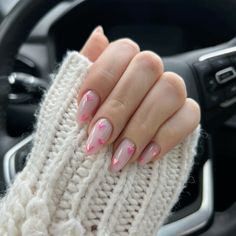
(128, 99)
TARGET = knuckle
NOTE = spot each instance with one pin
(145, 129)
(151, 60)
(141, 128)
(105, 74)
(171, 131)
(127, 43)
(117, 106)
(177, 86)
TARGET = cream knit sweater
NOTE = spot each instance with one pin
(62, 191)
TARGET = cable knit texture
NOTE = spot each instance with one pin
(62, 191)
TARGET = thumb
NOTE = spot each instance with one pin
(95, 44)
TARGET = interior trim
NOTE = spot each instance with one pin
(9, 170)
(228, 102)
(201, 217)
(226, 70)
(217, 53)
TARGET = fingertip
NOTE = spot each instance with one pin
(195, 109)
(96, 44)
(98, 29)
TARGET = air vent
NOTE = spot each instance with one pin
(25, 65)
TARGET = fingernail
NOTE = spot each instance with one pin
(149, 153)
(99, 29)
(122, 154)
(87, 106)
(98, 136)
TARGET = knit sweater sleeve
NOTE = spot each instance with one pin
(62, 191)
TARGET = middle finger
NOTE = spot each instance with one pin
(124, 99)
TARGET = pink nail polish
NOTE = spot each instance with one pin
(122, 154)
(98, 136)
(149, 152)
(87, 106)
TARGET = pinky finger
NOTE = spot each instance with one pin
(95, 45)
(172, 132)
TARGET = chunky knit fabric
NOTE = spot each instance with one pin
(62, 191)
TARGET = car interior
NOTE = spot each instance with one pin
(195, 38)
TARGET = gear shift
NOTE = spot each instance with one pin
(24, 96)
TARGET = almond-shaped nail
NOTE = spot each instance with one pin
(98, 136)
(149, 153)
(87, 106)
(122, 155)
(99, 29)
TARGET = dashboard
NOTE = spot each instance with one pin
(166, 27)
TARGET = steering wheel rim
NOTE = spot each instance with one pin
(16, 27)
(14, 30)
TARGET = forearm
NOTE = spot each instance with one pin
(39, 178)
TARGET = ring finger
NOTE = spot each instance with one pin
(164, 99)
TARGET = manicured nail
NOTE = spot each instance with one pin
(149, 153)
(87, 106)
(99, 29)
(98, 136)
(122, 154)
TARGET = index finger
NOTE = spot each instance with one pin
(103, 76)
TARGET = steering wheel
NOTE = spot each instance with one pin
(209, 75)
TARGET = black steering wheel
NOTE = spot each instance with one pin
(14, 30)
(209, 75)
